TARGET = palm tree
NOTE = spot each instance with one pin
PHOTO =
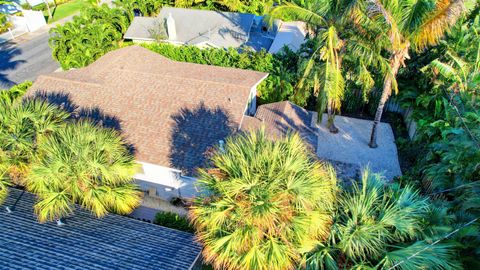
(83, 164)
(323, 70)
(378, 225)
(265, 203)
(409, 25)
(22, 126)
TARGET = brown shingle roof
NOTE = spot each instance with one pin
(171, 112)
(280, 118)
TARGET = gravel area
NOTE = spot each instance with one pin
(350, 145)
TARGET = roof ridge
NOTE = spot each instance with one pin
(68, 80)
(186, 78)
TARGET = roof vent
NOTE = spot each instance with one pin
(8, 209)
(222, 146)
(60, 222)
(172, 32)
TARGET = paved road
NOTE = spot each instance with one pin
(25, 61)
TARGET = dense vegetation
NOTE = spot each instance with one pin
(90, 35)
(446, 108)
(266, 203)
(378, 225)
(62, 160)
(358, 55)
(174, 221)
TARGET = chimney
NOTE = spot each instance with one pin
(172, 32)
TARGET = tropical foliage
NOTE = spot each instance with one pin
(62, 160)
(323, 73)
(4, 23)
(444, 99)
(83, 164)
(409, 25)
(90, 35)
(380, 225)
(266, 203)
(174, 221)
(152, 7)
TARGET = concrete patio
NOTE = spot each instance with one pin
(350, 145)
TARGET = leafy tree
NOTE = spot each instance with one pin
(378, 225)
(409, 25)
(83, 164)
(441, 87)
(323, 71)
(265, 204)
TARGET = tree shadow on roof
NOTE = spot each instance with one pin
(94, 114)
(7, 53)
(195, 132)
(299, 121)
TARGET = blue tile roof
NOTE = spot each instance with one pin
(85, 242)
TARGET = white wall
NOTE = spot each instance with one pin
(164, 182)
(34, 19)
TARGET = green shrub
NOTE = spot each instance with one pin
(173, 221)
(4, 26)
(90, 35)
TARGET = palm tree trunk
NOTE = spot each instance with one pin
(48, 8)
(396, 60)
(331, 118)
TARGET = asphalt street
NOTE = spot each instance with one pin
(25, 61)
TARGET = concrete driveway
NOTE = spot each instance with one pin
(25, 61)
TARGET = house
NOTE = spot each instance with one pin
(207, 29)
(85, 242)
(171, 113)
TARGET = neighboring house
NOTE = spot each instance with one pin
(86, 242)
(216, 29)
(172, 113)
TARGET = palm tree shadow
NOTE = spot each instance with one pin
(93, 114)
(194, 134)
(8, 51)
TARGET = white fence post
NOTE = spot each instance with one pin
(10, 31)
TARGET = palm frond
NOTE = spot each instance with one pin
(435, 25)
(421, 255)
(267, 203)
(295, 12)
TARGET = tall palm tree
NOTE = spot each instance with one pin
(331, 21)
(409, 25)
(265, 203)
(83, 164)
(378, 225)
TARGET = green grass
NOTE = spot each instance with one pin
(65, 10)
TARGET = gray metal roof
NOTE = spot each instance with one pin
(193, 26)
(223, 29)
(140, 28)
(85, 242)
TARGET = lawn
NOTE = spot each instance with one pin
(65, 10)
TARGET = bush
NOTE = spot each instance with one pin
(173, 221)
(90, 35)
